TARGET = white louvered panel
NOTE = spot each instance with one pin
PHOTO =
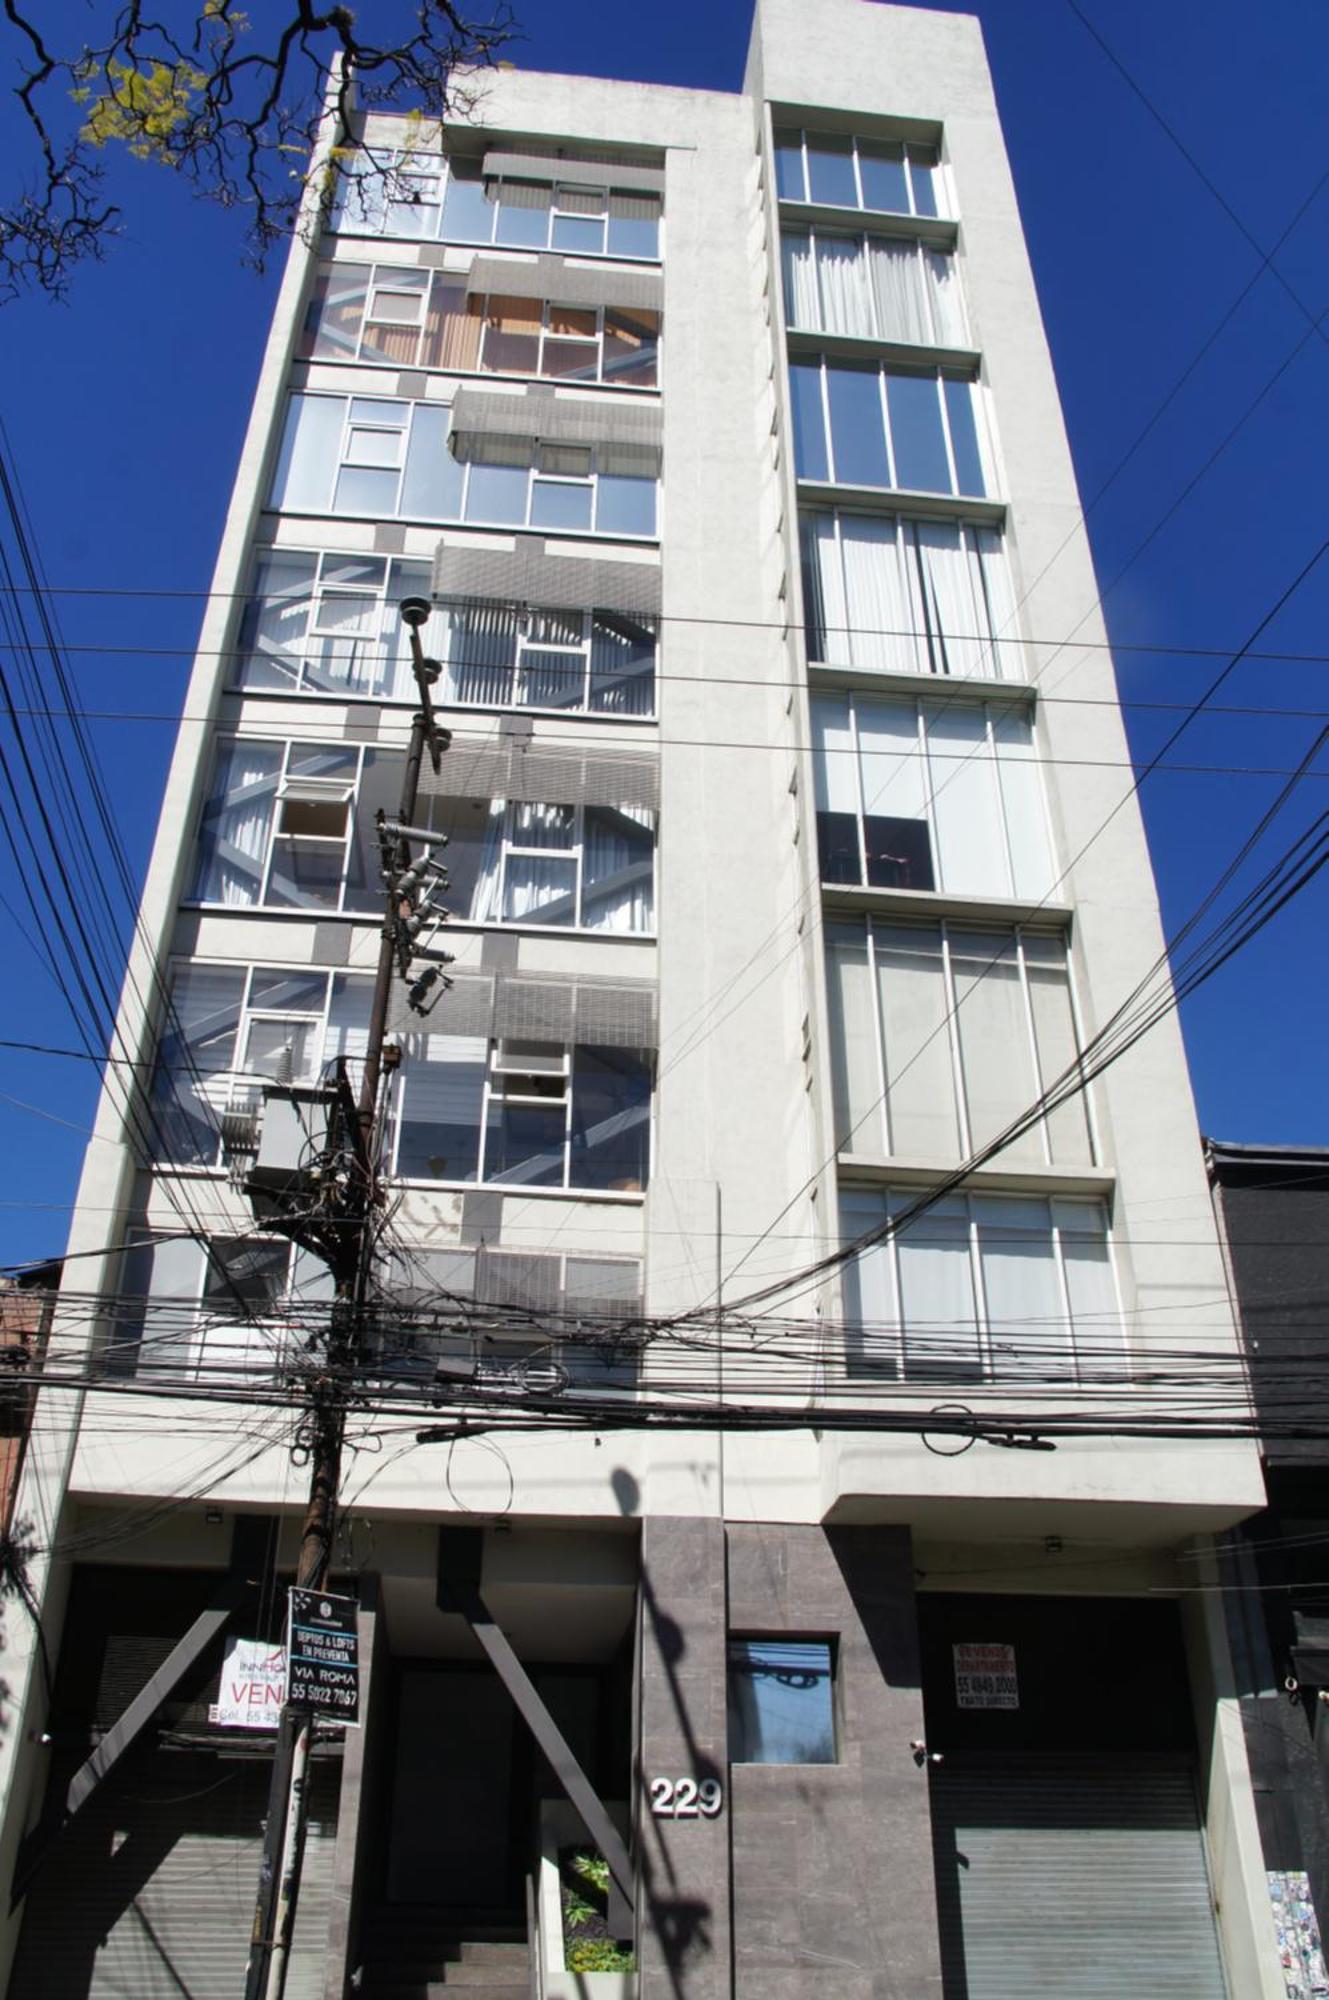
(1074, 1878)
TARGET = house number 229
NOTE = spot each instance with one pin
(684, 1798)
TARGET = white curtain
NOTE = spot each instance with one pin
(1095, 1312)
(1055, 1039)
(947, 308)
(835, 777)
(823, 590)
(953, 598)
(871, 1310)
(919, 1079)
(486, 907)
(1002, 619)
(881, 597)
(889, 761)
(854, 1063)
(1033, 870)
(1026, 1316)
(937, 1302)
(898, 290)
(846, 300)
(967, 819)
(237, 824)
(618, 869)
(540, 888)
(622, 665)
(993, 1031)
(800, 282)
(478, 648)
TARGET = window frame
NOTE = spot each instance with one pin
(392, 679)
(593, 481)
(493, 1096)
(935, 167)
(287, 785)
(889, 1199)
(863, 241)
(831, 1641)
(375, 221)
(950, 933)
(993, 711)
(884, 371)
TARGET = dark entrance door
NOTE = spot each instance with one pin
(452, 1841)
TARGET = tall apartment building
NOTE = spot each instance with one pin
(721, 432)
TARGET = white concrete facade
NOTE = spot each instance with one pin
(744, 1168)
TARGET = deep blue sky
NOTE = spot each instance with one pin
(125, 410)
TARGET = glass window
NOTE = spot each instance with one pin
(871, 288)
(587, 867)
(329, 624)
(387, 192)
(290, 826)
(892, 177)
(887, 427)
(961, 810)
(909, 596)
(980, 1287)
(943, 1035)
(781, 1707)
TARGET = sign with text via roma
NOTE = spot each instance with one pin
(323, 1650)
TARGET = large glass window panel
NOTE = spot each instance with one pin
(307, 460)
(540, 887)
(831, 170)
(825, 612)
(624, 505)
(781, 1707)
(923, 179)
(811, 459)
(967, 820)
(943, 282)
(335, 314)
(347, 1032)
(882, 606)
(938, 1306)
(1054, 1033)
(917, 437)
(920, 1082)
(432, 483)
(896, 843)
(801, 304)
(871, 1309)
(618, 869)
(523, 216)
(197, 1048)
(560, 504)
(237, 824)
(453, 326)
(524, 1140)
(380, 791)
(468, 213)
(841, 300)
(790, 184)
(954, 607)
(497, 493)
(1022, 797)
(858, 437)
(884, 185)
(855, 1074)
(964, 436)
(993, 1030)
(900, 293)
(611, 1099)
(631, 347)
(477, 650)
(835, 779)
(511, 344)
(622, 665)
(275, 621)
(440, 1092)
(362, 491)
(1027, 1327)
(1100, 1337)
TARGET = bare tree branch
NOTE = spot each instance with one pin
(234, 108)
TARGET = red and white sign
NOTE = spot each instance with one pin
(985, 1676)
(253, 1685)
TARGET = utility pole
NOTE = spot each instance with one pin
(344, 1242)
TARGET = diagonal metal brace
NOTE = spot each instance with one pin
(458, 1590)
(122, 1736)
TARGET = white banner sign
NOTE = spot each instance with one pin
(985, 1677)
(253, 1685)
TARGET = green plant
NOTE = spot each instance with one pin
(598, 1955)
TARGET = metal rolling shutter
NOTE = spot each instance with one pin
(1075, 1877)
(154, 1896)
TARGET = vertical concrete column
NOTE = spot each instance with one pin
(833, 1888)
(364, 1752)
(683, 1924)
